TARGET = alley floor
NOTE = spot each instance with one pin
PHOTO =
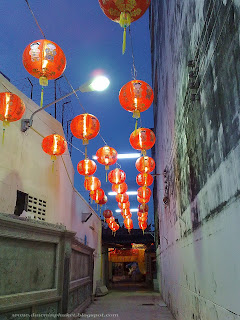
(127, 301)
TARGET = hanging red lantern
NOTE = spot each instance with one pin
(142, 225)
(86, 167)
(143, 215)
(92, 183)
(97, 195)
(136, 96)
(143, 200)
(106, 156)
(44, 60)
(120, 188)
(144, 192)
(145, 164)
(110, 220)
(142, 218)
(107, 213)
(128, 223)
(85, 126)
(124, 205)
(124, 12)
(12, 107)
(116, 176)
(114, 228)
(143, 208)
(142, 139)
(144, 179)
(122, 197)
(102, 202)
(54, 145)
(126, 213)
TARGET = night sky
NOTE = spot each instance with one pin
(91, 42)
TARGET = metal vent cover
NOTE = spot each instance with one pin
(36, 208)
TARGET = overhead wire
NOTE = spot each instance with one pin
(64, 73)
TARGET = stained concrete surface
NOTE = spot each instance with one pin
(127, 301)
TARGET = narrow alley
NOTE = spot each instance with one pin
(127, 301)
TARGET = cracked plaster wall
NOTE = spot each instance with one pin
(198, 130)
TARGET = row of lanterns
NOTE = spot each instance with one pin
(45, 60)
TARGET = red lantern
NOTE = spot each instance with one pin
(124, 12)
(143, 215)
(143, 208)
(107, 214)
(126, 214)
(136, 96)
(145, 164)
(122, 197)
(142, 225)
(97, 195)
(92, 183)
(116, 176)
(12, 107)
(110, 220)
(142, 139)
(103, 200)
(86, 167)
(124, 205)
(142, 218)
(128, 223)
(54, 145)
(44, 60)
(106, 156)
(113, 225)
(143, 200)
(144, 192)
(144, 179)
(120, 188)
(85, 126)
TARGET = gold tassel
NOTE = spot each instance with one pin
(53, 158)
(41, 101)
(3, 136)
(136, 126)
(85, 151)
(106, 177)
(114, 234)
(124, 41)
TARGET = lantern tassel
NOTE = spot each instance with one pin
(3, 136)
(136, 126)
(41, 101)
(106, 177)
(85, 151)
(114, 234)
(97, 206)
(124, 41)
(53, 166)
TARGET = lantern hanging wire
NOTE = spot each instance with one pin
(35, 19)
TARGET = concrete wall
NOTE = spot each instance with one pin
(25, 167)
(197, 127)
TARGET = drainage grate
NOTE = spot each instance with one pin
(36, 208)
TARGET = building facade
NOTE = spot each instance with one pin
(196, 70)
(26, 170)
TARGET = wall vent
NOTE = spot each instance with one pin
(37, 208)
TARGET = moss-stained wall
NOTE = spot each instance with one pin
(196, 77)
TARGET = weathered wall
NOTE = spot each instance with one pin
(25, 167)
(197, 126)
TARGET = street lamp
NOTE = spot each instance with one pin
(99, 83)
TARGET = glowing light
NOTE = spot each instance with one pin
(124, 156)
(7, 105)
(132, 210)
(130, 193)
(55, 147)
(100, 83)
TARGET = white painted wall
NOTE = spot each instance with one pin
(199, 269)
(26, 167)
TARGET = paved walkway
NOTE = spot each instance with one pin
(128, 301)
